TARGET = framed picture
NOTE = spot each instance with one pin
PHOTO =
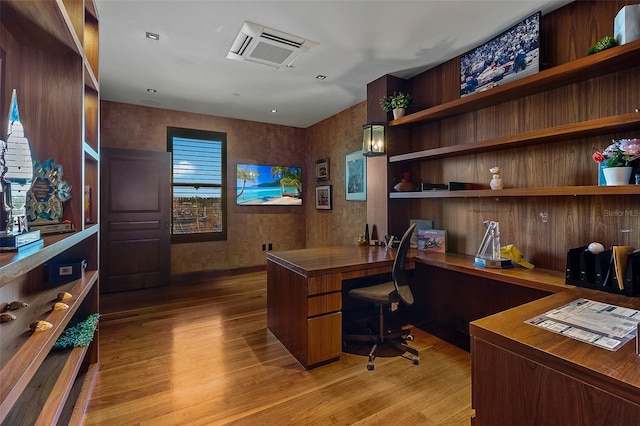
(356, 176)
(323, 197)
(322, 169)
(513, 54)
(268, 185)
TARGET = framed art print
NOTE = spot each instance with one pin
(356, 176)
(511, 55)
(322, 169)
(323, 197)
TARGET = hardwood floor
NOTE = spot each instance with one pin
(201, 354)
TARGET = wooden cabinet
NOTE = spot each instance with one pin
(50, 56)
(540, 130)
(304, 296)
(527, 375)
(304, 313)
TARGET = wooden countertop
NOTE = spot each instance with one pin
(322, 260)
(538, 278)
(616, 372)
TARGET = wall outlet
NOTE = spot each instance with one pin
(270, 246)
(264, 247)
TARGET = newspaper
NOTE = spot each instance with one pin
(600, 324)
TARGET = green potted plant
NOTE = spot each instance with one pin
(398, 103)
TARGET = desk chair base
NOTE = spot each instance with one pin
(385, 338)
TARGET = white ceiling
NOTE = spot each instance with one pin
(359, 41)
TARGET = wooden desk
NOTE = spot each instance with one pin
(536, 278)
(304, 296)
(524, 375)
(304, 287)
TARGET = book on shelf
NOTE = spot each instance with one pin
(619, 261)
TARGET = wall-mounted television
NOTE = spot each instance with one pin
(513, 54)
(267, 185)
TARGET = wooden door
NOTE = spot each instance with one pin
(135, 205)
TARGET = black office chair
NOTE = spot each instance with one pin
(383, 295)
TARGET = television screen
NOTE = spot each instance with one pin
(268, 185)
(511, 55)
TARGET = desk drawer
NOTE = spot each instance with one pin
(325, 303)
(324, 284)
(324, 338)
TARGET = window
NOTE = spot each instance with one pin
(199, 177)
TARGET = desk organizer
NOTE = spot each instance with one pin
(596, 271)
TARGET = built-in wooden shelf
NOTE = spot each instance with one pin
(43, 23)
(14, 264)
(522, 192)
(594, 127)
(22, 359)
(54, 378)
(52, 52)
(605, 62)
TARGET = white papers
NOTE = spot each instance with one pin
(600, 324)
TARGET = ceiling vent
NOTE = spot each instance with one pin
(267, 46)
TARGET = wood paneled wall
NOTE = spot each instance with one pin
(544, 228)
(136, 127)
(333, 138)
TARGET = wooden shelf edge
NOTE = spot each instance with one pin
(594, 127)
(16, 374)
(90, 79)
(13, 265)
(80, 407)
(581, 69)
(89, 151)
(522, 192)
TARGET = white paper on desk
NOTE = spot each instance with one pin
(600, 324)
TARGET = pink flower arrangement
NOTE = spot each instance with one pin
(619, 154)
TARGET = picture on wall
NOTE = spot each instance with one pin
(356, 176)
(322, 169)
(323, 197)
(513, 54)
(264, 185)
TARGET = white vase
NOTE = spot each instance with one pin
(397, 113)
(617, 175)
(496, 183)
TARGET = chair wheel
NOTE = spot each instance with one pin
(410, 337)
(416, 360)
(370, 366)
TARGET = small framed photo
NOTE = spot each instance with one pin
(356, 176)
(323, 197)
(322, 169)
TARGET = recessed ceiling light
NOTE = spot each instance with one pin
(153, 36)
(274, 110)
(151, 90)
(321, 77)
